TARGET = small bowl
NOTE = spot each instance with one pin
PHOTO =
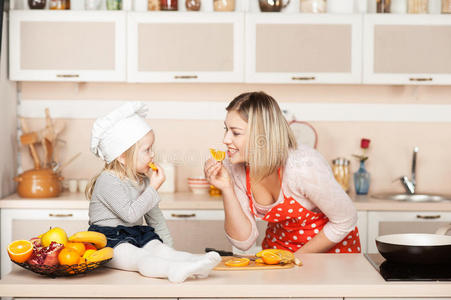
(200, 190)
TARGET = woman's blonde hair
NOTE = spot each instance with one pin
(270, 136)
(127, 170)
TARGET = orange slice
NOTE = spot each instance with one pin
(218, 155)
(259, 261)
(20, 250)
(153, 166)
(285, 255)
(271, 258)
(237, 262)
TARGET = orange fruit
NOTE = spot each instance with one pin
(237, 262)
(79, 247)
(153, 166)
(217, 154)
(259, 261)
(20, 250)
(271, 258)
(286, 256)
(68, 256)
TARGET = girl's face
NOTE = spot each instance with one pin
(144, 154)
(235, 137)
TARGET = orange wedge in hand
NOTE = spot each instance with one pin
(19, 251)
(218, 155)
(237, 262)
(153, 166)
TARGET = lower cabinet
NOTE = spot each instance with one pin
(390, 222)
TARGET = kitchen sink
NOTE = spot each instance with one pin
(413, 197)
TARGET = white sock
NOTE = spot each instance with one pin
(157, 248)
(175, 271)
(126, 257)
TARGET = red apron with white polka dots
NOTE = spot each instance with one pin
(290, 226)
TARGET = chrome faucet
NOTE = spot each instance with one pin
(409, 184)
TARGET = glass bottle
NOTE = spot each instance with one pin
(383, 6)
(362, 180)
(223, 5)
(57, 4)
(36, 4)
(313, 6)
(446, 6)
(192, 5)
(418, 7)
(168, 5)
(113, 4)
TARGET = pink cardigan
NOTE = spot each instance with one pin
(307, 178)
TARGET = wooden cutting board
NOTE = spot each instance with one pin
(252, 266)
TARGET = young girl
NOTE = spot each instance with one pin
(125, 193)
(267, 175)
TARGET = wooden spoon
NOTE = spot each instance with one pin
(34, 154)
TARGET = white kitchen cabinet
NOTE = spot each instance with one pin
(307, 48)
(20, 224)
(185, 47)
(67, 45)
(390, 222)
(407, 49)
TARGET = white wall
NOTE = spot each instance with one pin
(8, 120)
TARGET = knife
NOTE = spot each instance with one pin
(229, 253)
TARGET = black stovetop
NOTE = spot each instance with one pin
(409, 272)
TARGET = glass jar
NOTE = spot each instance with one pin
(313, 6)
(446, 6)
(57, 4)
(418, 6)
(340, 169)
(92, 4)
(192, 5)
(113, 4)
(168, 5)
(398, 6)
(383, 6)
(153, 4)
(36, 4)
(223, 5)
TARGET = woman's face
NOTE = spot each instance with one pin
(144, 153)
(235, 137)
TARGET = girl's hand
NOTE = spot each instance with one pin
(217, 175)
(157, 177)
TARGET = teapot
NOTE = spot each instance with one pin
(39, 183)
(272, 5)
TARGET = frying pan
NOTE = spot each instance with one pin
(416, 248)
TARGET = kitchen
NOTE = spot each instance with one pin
(343, 97)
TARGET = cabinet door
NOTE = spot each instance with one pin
(195, 230)
(386, 222)
(67, 45)
(407, 49)
(303, 49)
(185, 47)
(24, 224)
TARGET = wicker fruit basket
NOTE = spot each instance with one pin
(62, 270)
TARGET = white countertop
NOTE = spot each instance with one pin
(322, 275)
(188, 200)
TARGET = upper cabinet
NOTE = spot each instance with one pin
(67, 45)
(307, 48)
(185, 47)
(407, 49)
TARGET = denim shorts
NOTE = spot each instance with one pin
(138, 235)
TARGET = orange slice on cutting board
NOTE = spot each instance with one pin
(237, 262)
(20, 251)
(218, 155)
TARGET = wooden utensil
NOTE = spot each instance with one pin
(252, 266)
(58, 168)
(34, 154)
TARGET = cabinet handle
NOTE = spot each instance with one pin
(67, 75)
(185, 77)
(303, 78)
(183, 215)
(61, 215)
(420, 79)
(428, 217)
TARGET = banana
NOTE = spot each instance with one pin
(99, 255)
(97, 238)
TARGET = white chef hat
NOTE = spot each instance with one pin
(114, 133)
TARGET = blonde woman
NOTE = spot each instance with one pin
(266, 175)
(125, 193)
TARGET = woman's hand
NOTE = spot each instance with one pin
(157, 177)
(217, 175)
